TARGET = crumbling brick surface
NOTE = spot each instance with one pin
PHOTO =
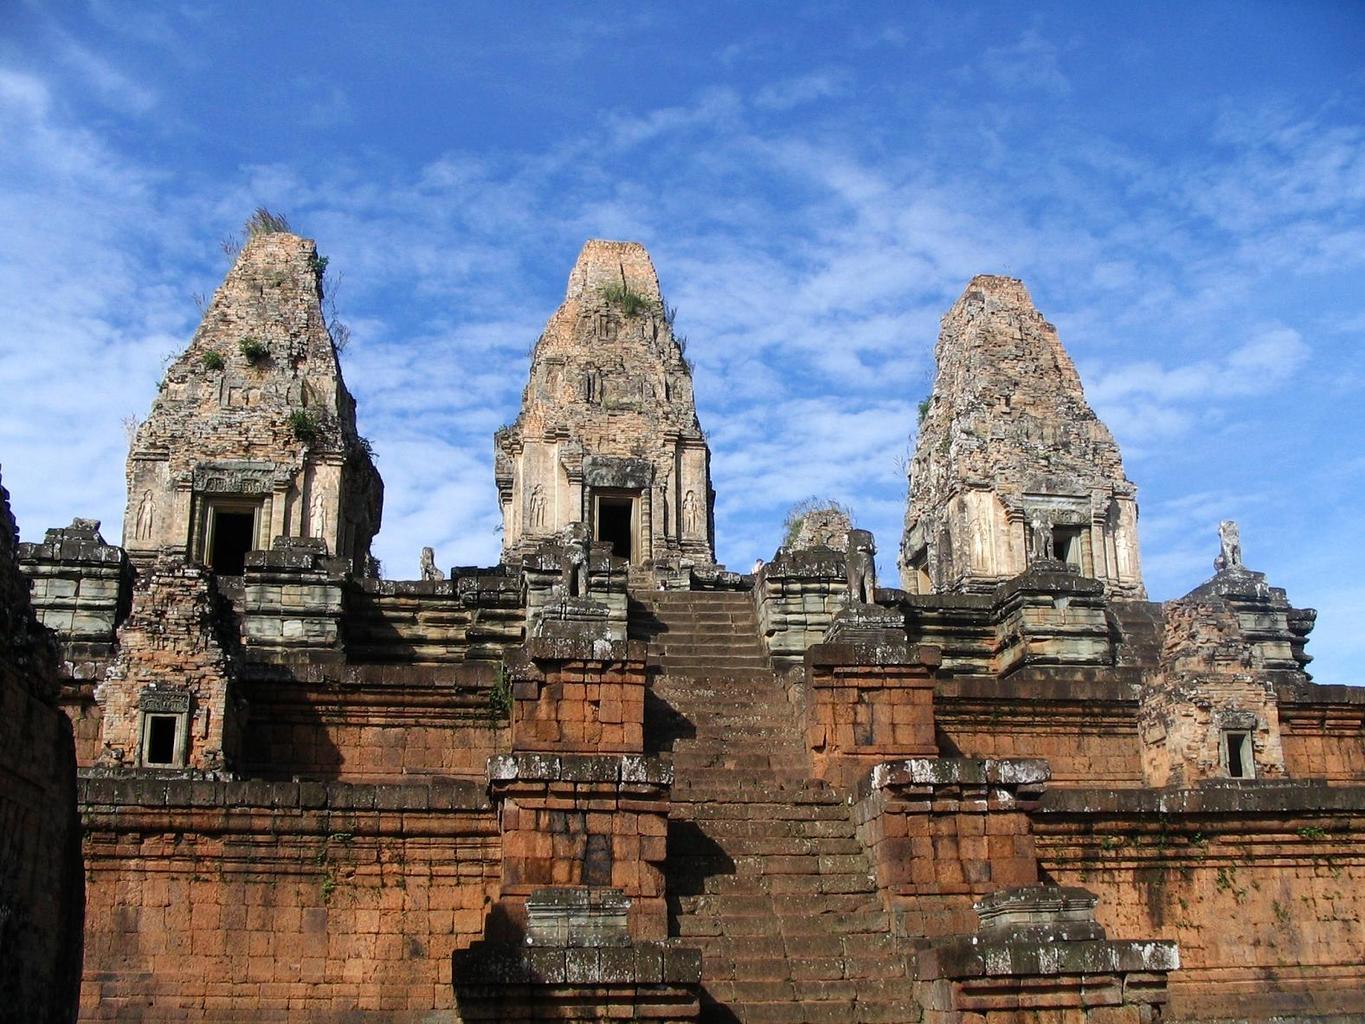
(1257, 882)
(281, 901)
(41, 896)
(364, 723)
(1322, 732)
(586, 707)
(177, 641)
(1083, 722)
(860, 713)
(582, 820)
(942, 831)
(1211, 679)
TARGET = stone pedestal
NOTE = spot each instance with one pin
(580, 619)
(577, 917)
(798, 594)
(82, 587)
(1039, 955)
(1051, 615)
(944, 831)
(869, 696)
(292, 599)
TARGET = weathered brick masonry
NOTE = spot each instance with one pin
(608, 779)
(40, 872)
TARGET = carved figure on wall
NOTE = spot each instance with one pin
(537, 507)
(317, 515)
(574, 567)
(862, 567)
(1229, 546)
(429, 570)
(689, 512)
(1040, 537)
(145, 515)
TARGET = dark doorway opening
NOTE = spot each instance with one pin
(1238, 755)
(1066, 545)
(160, 740)
(234, 534)
(614, 526)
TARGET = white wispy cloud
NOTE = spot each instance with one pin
(1032, 62)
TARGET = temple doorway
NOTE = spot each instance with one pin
(615, 524)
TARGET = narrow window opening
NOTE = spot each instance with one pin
(234, 534)
(1066, 545)
(159, 741)
(919, 571)
(614, 525)
(1238, 747)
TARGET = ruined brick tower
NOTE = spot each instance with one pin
(1012, 467)
(608, 433)
(253, 435)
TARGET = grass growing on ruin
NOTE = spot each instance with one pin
(627, 301)
(264, 222)
(213, 359)
(254, 349)
(500, 696)
(304, 425)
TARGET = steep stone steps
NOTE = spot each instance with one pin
(699, 634)
(765, 873)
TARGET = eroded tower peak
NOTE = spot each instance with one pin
(1012, 466)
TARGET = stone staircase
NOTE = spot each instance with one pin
(765, 873)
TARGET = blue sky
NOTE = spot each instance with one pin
(1182, 187)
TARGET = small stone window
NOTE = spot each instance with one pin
(1237, 754)
(1067, 546)
(163, 729)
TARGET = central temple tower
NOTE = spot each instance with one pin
(608, 434)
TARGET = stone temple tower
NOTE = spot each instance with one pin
(253, 435)
(1012, 467)
(608, 433)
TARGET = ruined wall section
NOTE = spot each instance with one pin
(174, 662)
(41, 889)
(254, 416)
(609, 412)
(282, 901)
(1012, 466)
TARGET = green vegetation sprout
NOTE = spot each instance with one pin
(304, 425)
(254, 349)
